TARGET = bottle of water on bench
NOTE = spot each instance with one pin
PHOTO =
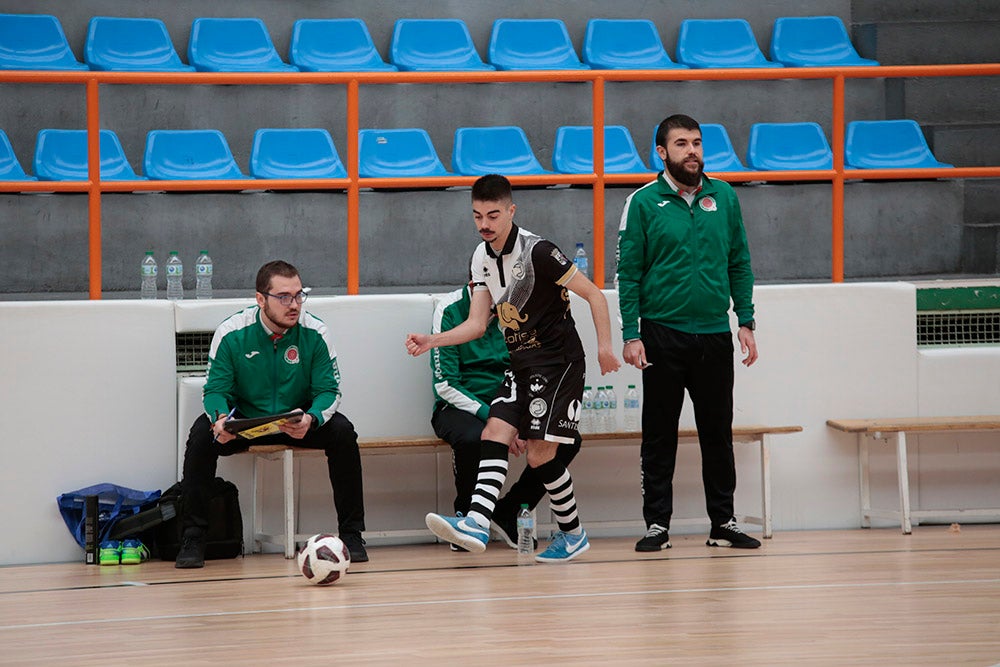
(633, 412)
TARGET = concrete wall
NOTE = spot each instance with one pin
(90, 394)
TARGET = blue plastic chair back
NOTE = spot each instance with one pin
(717, 150)
(295, 153)
(625, 44)
(430, 45)
(494, 150)
(61, 155)
(780, 146)
(131, 45)
(10, 168)
(813, 41)
(335, 45)
(176, 155)
(35, 41)
(532, 44)
(233, 45)
(704, 43)
(888, 144)
(574, 151)
(397, 153)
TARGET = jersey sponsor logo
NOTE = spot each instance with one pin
(292, 355)
(559, 257)
(708, 204)
(663, 203)
(517, 271)
(509, 316)
(251, 355)
(570, 425)
(538, 407)
(536, 424)
(573, 410)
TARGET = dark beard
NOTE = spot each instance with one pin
(683, 176)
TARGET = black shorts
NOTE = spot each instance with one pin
(543, 402)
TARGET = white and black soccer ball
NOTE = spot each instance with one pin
(324, 559)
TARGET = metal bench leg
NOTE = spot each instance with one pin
(288, 472)
(865, 473)
(256, 492)
(765, 484)
(904, 482)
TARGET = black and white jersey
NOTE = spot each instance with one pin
(527, 283)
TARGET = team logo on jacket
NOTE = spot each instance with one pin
(538, 407)
(708, 204)
(537, 383)
(292, 355)
(559, 257)
(517, 271)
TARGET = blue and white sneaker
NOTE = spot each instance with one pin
(460, 530)
(564, 547)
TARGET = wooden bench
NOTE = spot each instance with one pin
(761, 435)
(894, 431)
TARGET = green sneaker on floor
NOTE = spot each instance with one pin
(110, 552)
(134, 552)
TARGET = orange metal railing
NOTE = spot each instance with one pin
(94, 187)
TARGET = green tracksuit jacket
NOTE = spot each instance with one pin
(466, 376)
(258, 376)
(680, 265)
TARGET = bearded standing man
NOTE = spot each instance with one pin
(682, 256)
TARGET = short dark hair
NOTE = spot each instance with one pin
(675, 122)
(492, 187)
(277, 267)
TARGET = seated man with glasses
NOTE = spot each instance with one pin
(271, 358)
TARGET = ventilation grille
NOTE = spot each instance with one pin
(959, 328)
(192, 350)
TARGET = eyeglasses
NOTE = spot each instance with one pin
(286, 299)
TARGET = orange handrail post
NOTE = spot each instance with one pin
(598, 113)
(353, 191)
(94, 188)
(837, 244)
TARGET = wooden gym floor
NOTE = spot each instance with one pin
(855, 597)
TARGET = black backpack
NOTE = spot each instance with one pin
(160, 529)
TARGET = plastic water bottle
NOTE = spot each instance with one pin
(147, 289)
(587, 414)
(175, 274)
(601, 405)
(203, 275)
(612, 409)
(581, 261)
(525, 537)
(633, 411)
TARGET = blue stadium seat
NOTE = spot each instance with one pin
(295, 153)
(705, 43)
(813, 41)
(780, 146)
(131, 45)
(335, 45)
(494, 150)
(625, 44)
(574, 151)
(35, 41)
(434, 45)
(61, 155)
(176, 155)
(888, 144)
(717, 150)
(398, 153)
(519, 44)
(10, 168)
(233, 45)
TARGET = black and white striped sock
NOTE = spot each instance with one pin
(492, 474)
(559, 486)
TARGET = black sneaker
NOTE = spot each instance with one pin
(729, 535)
(192, 553)
(505, 527)
(355, 546)
(655, 539)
